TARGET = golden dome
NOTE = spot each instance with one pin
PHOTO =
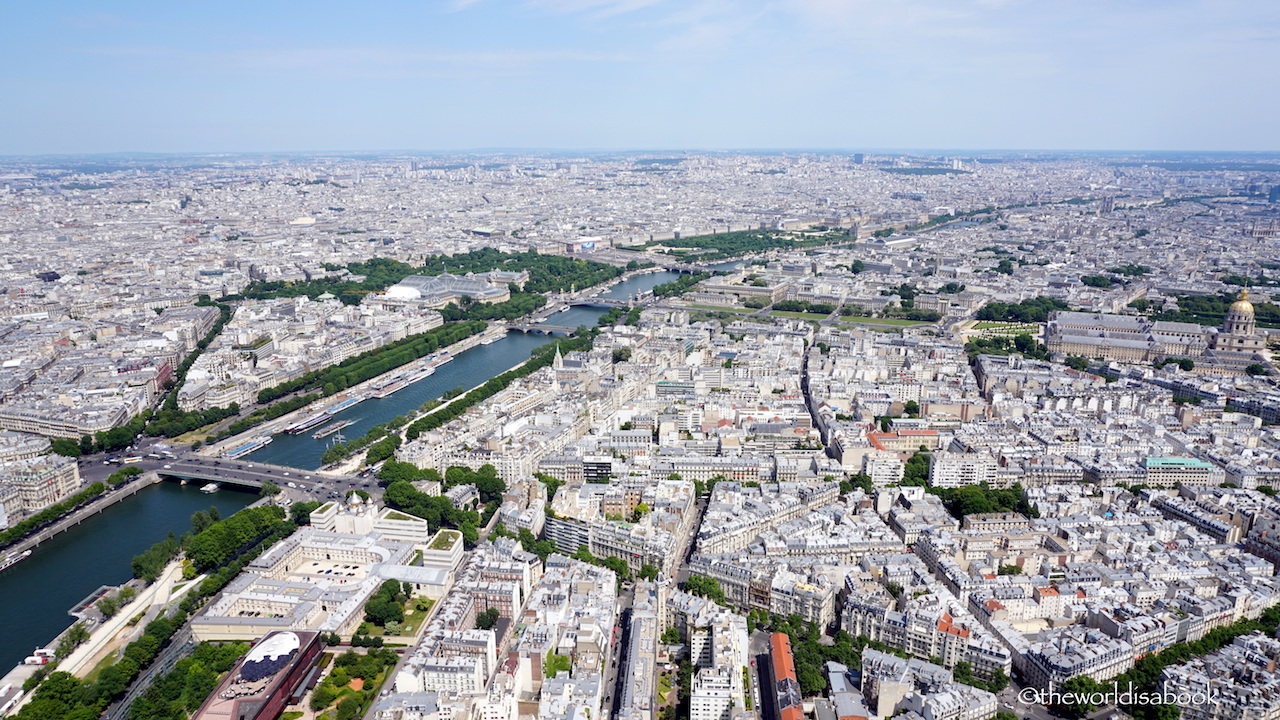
(1242, 305)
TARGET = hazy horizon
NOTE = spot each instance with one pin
(639, 75)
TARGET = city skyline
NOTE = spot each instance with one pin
(638, 75)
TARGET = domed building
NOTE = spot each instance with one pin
(1227, 350)
(1239, 330)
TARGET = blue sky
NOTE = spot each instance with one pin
(638, 74)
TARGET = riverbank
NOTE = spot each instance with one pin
(77, 516)
(353, 464)
(277, 425)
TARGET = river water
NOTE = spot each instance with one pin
(36, 594)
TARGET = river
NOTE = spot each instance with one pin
(469, 369)
(36, 594)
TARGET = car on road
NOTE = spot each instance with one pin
(166, 467)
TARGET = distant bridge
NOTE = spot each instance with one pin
(680, 267)
(598, 302)
(541, 328)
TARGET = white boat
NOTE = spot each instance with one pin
(211, 488)
(13, 559)
(251, 446)
(492, 339)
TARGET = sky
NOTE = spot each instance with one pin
(444, 75)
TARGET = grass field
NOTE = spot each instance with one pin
(414, 618)
(883, 321)
(990, 325)
(719, 308)
(800, 315)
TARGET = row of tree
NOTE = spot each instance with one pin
(1211, 309)
(373, 363)
(541, 357)
(518, 306)
(745, 242)
(1035, 310)
(680, 285)
(224, 539)
(1144, 676)
(50, 514)
(178, 693)
(804, 306)
(547, 273)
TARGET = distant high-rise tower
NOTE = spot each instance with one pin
(1274, 195)
(859, 158)
(1108, 205)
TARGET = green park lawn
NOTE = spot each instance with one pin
(862, 319)
(719, 308)
(800, 315)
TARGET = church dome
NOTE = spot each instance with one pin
(1242, 305)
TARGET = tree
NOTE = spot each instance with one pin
(1257, 369)
(300, 512)
(647, 572)
(1080, 688)
(487, 619)
(349, 708)
(200, 520)
(109, 605)
(1076, 362)
(269, 489)
(911, 408)
(706, 587)
(66, 447)
(323, 696)
(999, 681)
(670, 636)
(1186, 364)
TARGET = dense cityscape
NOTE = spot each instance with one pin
(710, 435)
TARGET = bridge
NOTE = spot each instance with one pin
(598, 302)
(679, 267)
(246, 474)
(541, 328)
(666, 262)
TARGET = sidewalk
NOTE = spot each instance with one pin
(113, 633)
